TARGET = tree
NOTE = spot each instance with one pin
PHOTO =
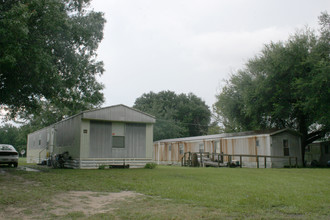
(47, 56)
(287, 85)
(176, 115)
(12, 135)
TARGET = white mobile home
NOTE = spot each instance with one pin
(273, 143)
(108, 136)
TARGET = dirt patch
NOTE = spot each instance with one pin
(87, 202)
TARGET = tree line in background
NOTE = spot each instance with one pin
(48, 72)
(286, 86)
(16, 136)
(176, 115)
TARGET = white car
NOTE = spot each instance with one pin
(8, 155)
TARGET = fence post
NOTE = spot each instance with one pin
(185, 159)
(290, 162)
(229, 160)
(257, 161)
(296, 162)
(189, 158)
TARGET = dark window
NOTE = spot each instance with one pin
(326, 149)
(286, 147)
(118, 141)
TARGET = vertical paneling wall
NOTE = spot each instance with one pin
(101, 134)
(135, 139)
(67, 136)
(100, 139)
(250, 145)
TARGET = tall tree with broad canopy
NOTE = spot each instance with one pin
(15, 136)
(286, 85)
(48, 57)
(176, 115)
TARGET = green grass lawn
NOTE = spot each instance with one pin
(181, 192)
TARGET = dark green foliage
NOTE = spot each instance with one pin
(102, 167)
(12, 135)
(150, 166)
(47, 57)
(176, 115)
(287, 85)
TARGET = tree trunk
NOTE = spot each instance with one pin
(303, 129)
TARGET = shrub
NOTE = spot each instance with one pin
(102, 167)
(150, 166)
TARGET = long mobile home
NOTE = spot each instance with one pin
(280, 143)
(112, 135)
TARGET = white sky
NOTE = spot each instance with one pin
(190, 45)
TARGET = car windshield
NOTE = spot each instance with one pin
(7, 147)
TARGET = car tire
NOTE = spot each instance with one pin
(15, 164)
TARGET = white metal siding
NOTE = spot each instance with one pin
(119, 113)
(100, 139)
(67, 136)
(277, 148)
(135, 139)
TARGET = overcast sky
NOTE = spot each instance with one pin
(190, 46)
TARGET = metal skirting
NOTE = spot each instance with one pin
(169, 163)
(95, 163)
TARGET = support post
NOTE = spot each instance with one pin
(265, 160)
(296, 162)
(290, 162)
(240, 161)
(229, 161)
(257, 161)
(189, 160)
